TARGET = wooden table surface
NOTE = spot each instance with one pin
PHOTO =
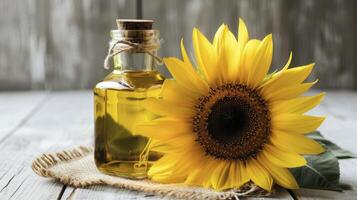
(35, 122)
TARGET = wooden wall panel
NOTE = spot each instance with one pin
(57, 44)
(60, 44)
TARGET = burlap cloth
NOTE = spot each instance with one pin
(76, 168)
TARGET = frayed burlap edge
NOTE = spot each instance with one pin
(62, 166)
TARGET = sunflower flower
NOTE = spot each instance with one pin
(226, 121)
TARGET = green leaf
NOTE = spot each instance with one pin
(321, 172)
(336, 150)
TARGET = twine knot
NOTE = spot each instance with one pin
(115, 49)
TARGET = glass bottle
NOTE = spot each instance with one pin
(118, 100)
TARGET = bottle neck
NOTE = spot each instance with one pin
(128, 61)
(132, 45)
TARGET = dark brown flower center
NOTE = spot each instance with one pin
(232, 122)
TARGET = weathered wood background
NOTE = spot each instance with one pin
(60, 44)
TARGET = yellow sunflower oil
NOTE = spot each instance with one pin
(118, 101)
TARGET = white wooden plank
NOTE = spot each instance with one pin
(309, 194)
(64, 121)
(348, 174)
(19, 179)
(15, 107)
(105, 192)
(110, 193)
(280, 193)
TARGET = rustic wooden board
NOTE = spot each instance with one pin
(305, 27)
(62, 44)
(308, 194)
(56, 44)
(349, 172)
(17, 108)
(109, 193)
(104, 192)
(64, 120)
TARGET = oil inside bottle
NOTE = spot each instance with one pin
(118, 102)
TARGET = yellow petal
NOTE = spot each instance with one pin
(259, 175)
(287, 64)
(163, 128)
(185, 57)
(167, 108)
(243, 172)
(186, 141)
(163, 165)
(290, 77)
(159, 146)
(177, 94)
(295, 143)
(177, 144)
(297, 105)
(261, 62)
(196, 177)
(233, 175)
(180, 143)
(205, 54)
(227, 49)
(243, 35)
(219, 177)
(163, 170)
(185, 75)
(243, 38)
(296, 123)
(230, 52)
(179, 163)
(283, 158)
(297, 74)
(281, 176)
(284, 93)
(218, 44)
(238, 174)
(279, 73)
(218, 37)
(248, 59)
(201, 175)
(187, 154)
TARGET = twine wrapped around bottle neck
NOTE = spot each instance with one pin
(124, 46)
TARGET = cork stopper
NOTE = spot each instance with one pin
(134, 24)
